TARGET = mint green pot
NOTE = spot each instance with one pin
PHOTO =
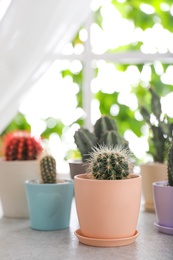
(49, 204)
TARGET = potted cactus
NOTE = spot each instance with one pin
(49, 200)
(160, 129)
(163, 202)
(105, 132)
(108, 198)
(19, 163)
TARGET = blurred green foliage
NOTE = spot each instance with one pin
(130, 10)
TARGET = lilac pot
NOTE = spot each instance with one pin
(163, 202)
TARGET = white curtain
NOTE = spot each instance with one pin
(31, 33)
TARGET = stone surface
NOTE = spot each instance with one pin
(19, 242)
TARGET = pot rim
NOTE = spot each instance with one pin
(85, 177)
(153, 164)
(76, 161)
(38, 183)
(3, 161)
(162, 184)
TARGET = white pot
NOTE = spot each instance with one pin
(13, 174)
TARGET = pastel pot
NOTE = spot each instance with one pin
(12, 192)
(151, 172)
(49, 204)
(77, 167)
(163, 201)
(107, 209)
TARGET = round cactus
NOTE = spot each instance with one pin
(21, 145)
(48, 169)
(110, 163)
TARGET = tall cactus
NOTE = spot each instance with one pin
(85, 140)
(170, 165)
(48, 169)
(21, 145)
(161, 132)
(104, 124)
(110, 163)
(105, 133)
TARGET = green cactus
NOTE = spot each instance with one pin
(161, 132)
(85, 140)
(104, 124)
(110, 138)
(48, 169)
(110, 163)
(105, 133)
(170, 165)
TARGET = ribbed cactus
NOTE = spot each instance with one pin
(110, 163)
(170, 165)
(85, 140)
(48, 169)
(161, 130)
(21, 145)
(105, 133)
(104, 124)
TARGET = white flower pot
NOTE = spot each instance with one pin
(13, 174)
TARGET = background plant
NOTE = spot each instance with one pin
(109, 100)
(170, 165)
(161, 128)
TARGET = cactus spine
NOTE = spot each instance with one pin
(21, 146)
(105, 133)
(48, 169)
(170, 165)
(110, 163)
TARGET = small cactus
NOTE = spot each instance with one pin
(170, 165)
(105, 133)
(110, 163)
(48, 169)
(21, 145)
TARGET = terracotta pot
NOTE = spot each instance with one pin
(151, 172)
(49, 204)
(77, 167)
(107, 209)
(13, 174)
(163, 201)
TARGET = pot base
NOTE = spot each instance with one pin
(105, 242)
(163, 229)
(149, 207)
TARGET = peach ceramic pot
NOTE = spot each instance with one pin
(107, 209)
(151, 172)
